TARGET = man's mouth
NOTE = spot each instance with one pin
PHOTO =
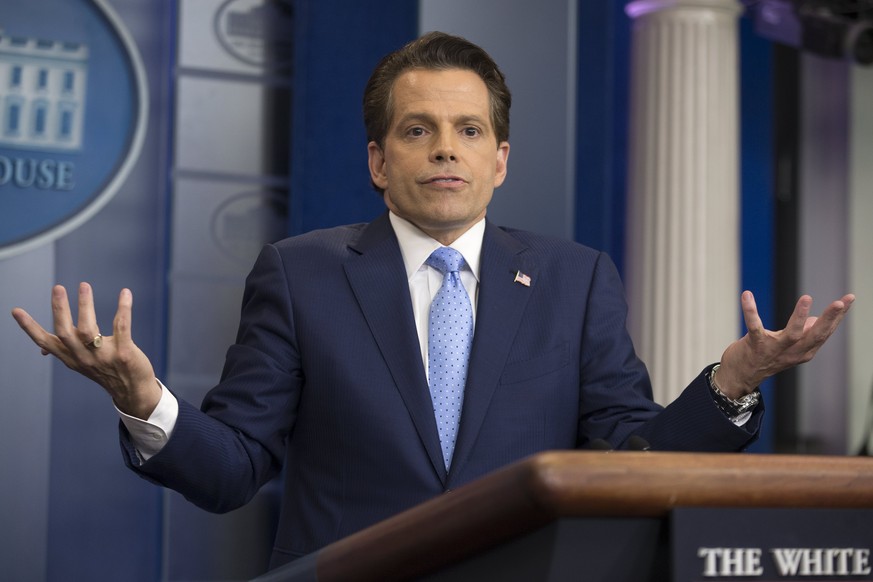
(444, 180)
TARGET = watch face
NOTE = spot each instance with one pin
(749, 401)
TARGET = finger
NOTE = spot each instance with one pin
(46, 341)
(832, 317)
(797, 322)
(839, 308)
(63, 319)
(121, 325)
(21, 317)
(87, 322)
(750, 313)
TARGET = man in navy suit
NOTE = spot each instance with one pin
(328, 377)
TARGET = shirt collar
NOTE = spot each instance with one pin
(416, 246)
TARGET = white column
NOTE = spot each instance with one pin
(683, 197)
(858, 331)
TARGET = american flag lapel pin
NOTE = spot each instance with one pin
(522, 278)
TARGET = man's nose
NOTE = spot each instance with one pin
(444, 149)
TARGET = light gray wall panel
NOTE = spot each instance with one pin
(25, 417)
(823, 269)
(229, 127)
(220, 226)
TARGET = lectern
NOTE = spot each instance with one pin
(579, 516)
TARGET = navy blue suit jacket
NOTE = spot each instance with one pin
(326, 379)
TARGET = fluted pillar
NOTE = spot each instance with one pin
(683, 197)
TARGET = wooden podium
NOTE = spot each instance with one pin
(556, 514)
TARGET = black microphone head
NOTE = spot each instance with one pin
(600, 445)
(638, 443)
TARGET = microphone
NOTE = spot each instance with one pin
(600, 445)
(638, 443)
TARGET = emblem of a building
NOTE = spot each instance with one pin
(42, 93)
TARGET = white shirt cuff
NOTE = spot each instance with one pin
(743, 418)
(150, 436)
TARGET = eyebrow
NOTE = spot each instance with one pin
(459, 120)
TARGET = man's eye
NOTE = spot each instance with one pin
(471, 131)
(416, 131)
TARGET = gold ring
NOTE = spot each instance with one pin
(95, 343)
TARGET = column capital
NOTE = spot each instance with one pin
(637, 8)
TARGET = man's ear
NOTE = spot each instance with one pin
(376, 162)
(502, 160)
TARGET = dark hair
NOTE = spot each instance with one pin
(434, 51)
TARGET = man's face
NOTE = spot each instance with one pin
(441, 160)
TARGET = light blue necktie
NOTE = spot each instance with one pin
(450, 335)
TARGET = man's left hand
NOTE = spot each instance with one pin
(761, 353)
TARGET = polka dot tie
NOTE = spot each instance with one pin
(450, 335)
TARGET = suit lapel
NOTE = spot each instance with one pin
(500, 306)
(378, 279)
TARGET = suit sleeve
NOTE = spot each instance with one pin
(693, 422)
(220, 455)
(616, 392)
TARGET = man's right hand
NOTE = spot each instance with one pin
(114, 362)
